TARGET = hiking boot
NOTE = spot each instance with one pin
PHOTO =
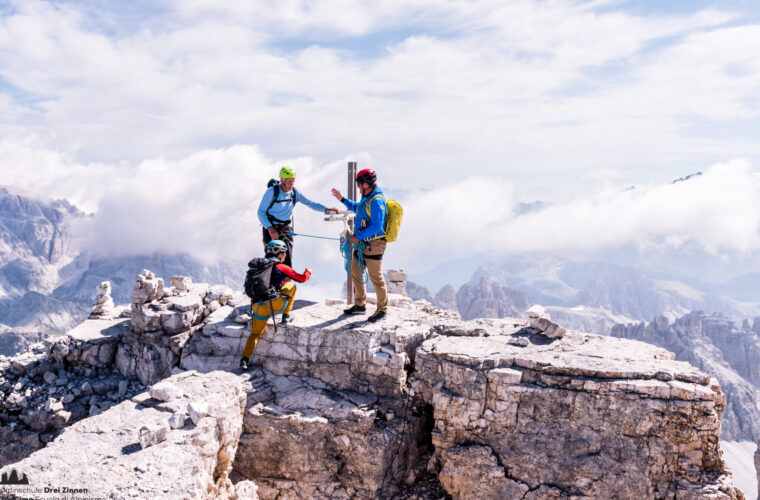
(286, 318)
(354, 309)
(244, 364)
(377, 316)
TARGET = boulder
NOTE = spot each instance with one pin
(147, 288)
(181, 283)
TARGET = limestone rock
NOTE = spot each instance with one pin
(103, 453)
(472, 472)
(340, 352)
(323, 443)
(542, 321)
(103, 301)
(336, 407)
(147, 288)
(177, 420)
(247, 490)
(181, 283)
(165, 391)
(396, 281)
(153, 434)
(597, 402)
(715, 345)
(197, 410)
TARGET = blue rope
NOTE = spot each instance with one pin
(346, 249)
(285, 306)
(311, 236)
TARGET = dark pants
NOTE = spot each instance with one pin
(282, 229)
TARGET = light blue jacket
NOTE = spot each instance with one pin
(374, 225)
(283, 207)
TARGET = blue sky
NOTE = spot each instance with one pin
(524, 100)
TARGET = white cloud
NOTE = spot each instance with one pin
(716, 211)
(205, 205)
(509, 87)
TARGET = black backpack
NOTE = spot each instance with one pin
(274, 183)
(258, 280)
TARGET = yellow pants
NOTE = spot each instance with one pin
(265, 310)
(375, 271)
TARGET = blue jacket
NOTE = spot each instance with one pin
(283, 207)
(367, 228)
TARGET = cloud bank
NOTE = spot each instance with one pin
(205, 205)
(557, 89)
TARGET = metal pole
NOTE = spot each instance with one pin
(351, 194)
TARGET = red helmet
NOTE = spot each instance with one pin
(367, 175)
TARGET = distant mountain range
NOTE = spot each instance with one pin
(590, 294)
(47, 284)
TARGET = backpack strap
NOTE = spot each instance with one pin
(275, 195)
(366, 208)
(369, 202)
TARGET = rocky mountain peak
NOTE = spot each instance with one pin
(420, 405)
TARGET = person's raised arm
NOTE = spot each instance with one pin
(290, 273)
(350, 204)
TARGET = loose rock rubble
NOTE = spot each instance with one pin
(419, 405)
(57, 383)
(151, 460)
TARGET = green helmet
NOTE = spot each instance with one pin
(275, 247)
(287, 173)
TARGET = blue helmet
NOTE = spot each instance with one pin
(275, 247)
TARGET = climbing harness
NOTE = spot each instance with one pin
(271, 309)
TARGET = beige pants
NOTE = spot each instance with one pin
(264, 310)
(375, 268)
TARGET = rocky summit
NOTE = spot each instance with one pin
(146, 401)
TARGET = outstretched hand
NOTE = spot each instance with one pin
(331, 210)
(337, 194)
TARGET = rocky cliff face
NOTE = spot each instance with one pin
(14, 340)
(420, 405)
(489, 299)
(716, 346)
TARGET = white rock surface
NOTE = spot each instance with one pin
(165, 391)
(181, 283)
(103, 453)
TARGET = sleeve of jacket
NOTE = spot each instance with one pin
(376, 227)
(350, 204)
(290, 273)
(311, 204)
(263, 206)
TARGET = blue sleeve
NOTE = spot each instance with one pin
(264, 205)
(376, 227)
(311, 204)
(350, 204)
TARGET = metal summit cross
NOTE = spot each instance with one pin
(347, 217)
